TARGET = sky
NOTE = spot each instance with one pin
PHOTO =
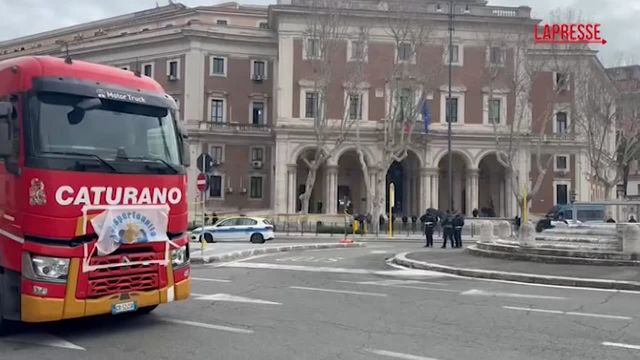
(618, 18)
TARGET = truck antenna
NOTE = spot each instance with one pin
(67, 58)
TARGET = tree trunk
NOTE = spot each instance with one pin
(308, 189)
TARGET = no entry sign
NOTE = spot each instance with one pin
(202, 182)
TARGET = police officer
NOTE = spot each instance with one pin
(429, 221)
(458, 223)
(447, 229)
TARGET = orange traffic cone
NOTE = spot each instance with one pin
(346, 240)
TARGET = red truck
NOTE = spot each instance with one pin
(93, 208)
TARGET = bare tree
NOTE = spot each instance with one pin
(408, 82)
(514, 64)
(324, 39)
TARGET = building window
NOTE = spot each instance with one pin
(311, 104)
(259, 70)
(496, 55)
(222, 22)
(495, 109)
(173, 69)
(455, 54)
(312, 50)
(561, 163)
(263, 25)
(215, 186)
(562, 194)
(218, 66)
(147, 69)
(562, 122)
(355, 107)
(405, 52)
(357, 50)
(561, 81)
(217, 111)
(217, 153)
(257, 154)
(257, 113)
(405, 103)
(452, 110)
(256, 187)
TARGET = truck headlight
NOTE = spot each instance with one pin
(46, 268)
(179, 256)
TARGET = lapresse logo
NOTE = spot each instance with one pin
(573, 33)
(102, 195)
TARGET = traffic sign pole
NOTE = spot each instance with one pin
(202, 240)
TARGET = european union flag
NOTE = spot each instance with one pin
(426, 117)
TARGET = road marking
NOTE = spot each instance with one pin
(44, 340)
(391, 282)
(338, 291)
(397, 355)
(477, 292)
(533, 310)
(626, 346)
(248, 265)
(425, 288)
(231, 298)
(380, 252)
(569, 313)
(311, 259)
(211, 280)
(208, 326)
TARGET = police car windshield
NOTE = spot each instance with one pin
(109, 129)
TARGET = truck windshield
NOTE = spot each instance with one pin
(105, 129)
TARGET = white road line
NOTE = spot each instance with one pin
(626, 346)
(533, 310)
(326, 269)
(615, 317)
(392, 282)
(232, 298)
(208, 326)
(44, 340)
(569, 313)
(338, 291)
(425, 288)
(397, 355)
(210, 280)
(379, 252)
(477, 292)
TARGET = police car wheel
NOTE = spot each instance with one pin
(207, 237)
(257, 239)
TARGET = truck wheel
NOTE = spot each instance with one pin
(257, 239)
(146, 310)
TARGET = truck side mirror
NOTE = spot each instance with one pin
(6, 143)
(184, 141)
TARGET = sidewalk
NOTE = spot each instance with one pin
(464, 264)
(218, 252)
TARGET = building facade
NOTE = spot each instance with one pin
(243, 78)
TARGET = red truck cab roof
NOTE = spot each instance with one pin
(29, 67)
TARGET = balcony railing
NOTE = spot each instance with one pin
(235, 127)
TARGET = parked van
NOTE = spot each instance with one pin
(572, 213)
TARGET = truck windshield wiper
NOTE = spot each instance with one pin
(146, 158)
(74, 153)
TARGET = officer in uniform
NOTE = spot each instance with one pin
(447, 229)
(429, 221)
(458, 223)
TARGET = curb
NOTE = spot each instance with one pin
(401, 259)
(236, 255)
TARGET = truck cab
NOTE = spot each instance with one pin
(93, 208)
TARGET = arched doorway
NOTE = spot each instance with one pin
(405, 176)
(459, 181)
(317, 201)
(493, 199)
(352, 192)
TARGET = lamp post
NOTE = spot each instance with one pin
(449, 110)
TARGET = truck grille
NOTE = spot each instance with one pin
(125, 278)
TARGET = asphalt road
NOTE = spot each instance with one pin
(349, 304)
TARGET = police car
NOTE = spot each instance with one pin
(254, 229)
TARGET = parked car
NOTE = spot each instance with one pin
(254, 229)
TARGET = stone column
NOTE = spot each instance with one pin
(473, 178)
(435, 190)
(631, 239)
(425, 190)
(331, 193)
(372, 182)
(291, 188)
(508, 195)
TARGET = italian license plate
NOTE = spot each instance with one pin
(124, 307)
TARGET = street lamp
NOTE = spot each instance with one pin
(449, 109)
